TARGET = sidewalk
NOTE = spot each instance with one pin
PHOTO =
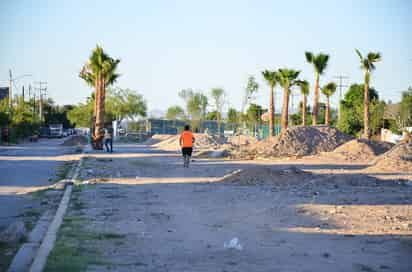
(140, 210)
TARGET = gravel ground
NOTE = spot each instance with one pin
(141, 211)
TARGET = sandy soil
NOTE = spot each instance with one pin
(314, 216)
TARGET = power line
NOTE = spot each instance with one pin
(42, 89)
(340, 86)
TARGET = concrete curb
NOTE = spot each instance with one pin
(33, 255)
(50, 238)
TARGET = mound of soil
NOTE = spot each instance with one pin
(242, 140)
(75, 140)
(157, 138)
(302, 141)
(399, 158)
(360, 150)
(261, 175)
(202, 141)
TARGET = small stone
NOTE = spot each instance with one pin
(326, 255)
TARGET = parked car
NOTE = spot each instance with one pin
(44, 132)
(56, 130)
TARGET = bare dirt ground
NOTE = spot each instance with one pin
(139, 210)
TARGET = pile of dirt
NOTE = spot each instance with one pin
(399, 158)
(299, 141)
(360, 150)
(266, 175)
(157, 138)
(241, 139)
(202, 142)
(75, 140)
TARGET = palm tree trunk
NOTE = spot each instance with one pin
(327, 113)
(366, 108)
(285, 109)
(304, 110)
(98, 135)
(316, 102)
(271, 113)
(218, 123)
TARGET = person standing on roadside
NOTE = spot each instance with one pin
(186, 142)
(108, 139)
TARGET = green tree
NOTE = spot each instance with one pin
(99, 72)
(286, 78)
(304, 90)
(270, 77)
(125, 103)
(82, 114)
(251, 89)
(406, 109)
(319, 62)
(204, 102)
(351, 107)
(175, 112)
(212, 115)
(232, 116)
(254, 113)
(328, 90)
(218, 97)
(368, 65)
(120, 103)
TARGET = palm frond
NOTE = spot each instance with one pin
(329, 89)
(374, 57)
(270, 77)
(321, 62)
(309, 56)
(359, 54)
(287, 77)
(304, 86)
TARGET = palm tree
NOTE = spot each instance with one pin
(218, 96)
(286, 78)
(304, 90)
(319, 62)
(270, 77)
(328, 90)
(367, 64)
(99, 72)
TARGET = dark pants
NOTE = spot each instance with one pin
(187, 151)
(107, 143)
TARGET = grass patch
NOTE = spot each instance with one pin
(63, 171)
(7, 252)
(143, 163)
(76, 247)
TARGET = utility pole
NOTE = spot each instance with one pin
(340, 86)
(11, 82)
(10, 87)
(42, 88)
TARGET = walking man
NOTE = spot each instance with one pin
(108, 139)
(186, 143)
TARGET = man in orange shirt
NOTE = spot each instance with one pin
(186, 143)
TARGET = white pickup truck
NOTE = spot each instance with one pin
(56, 130)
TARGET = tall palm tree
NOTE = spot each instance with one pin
(270, 77)
(99, 72)
(286, 78)
(328, 90)
(304, 90)
(319, 62)
(367, 64)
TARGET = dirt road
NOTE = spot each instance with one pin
(140, 210)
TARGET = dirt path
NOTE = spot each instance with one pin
(147, 213)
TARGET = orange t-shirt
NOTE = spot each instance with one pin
(186, 139)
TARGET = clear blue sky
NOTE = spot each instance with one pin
(165, 46)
